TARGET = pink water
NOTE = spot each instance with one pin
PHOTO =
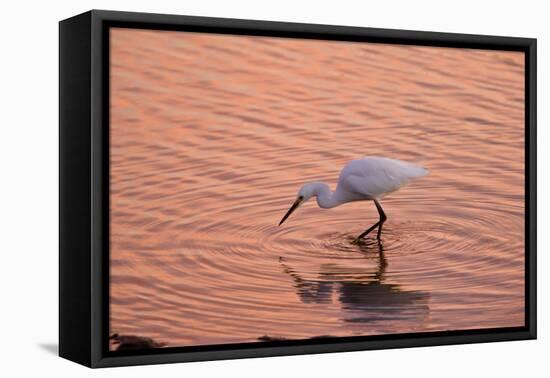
(212, 136)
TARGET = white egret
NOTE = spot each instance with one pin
(370, 178)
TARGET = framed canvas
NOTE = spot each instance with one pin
(190, 146)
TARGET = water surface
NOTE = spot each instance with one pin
(212, 136)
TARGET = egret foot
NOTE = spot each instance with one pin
(378, 224)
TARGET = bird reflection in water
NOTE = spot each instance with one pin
(364, 295)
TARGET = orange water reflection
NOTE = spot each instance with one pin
(211, 137)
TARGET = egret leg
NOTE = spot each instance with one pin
(383, 217)
(378, 224)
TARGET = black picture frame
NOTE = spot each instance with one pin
(84, 187)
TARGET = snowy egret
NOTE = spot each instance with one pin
(369, 178)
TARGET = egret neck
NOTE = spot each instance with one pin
(326, 198)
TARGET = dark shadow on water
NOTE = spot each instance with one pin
(364, 295)
(52, 348)
(268, 338)
(133, 342)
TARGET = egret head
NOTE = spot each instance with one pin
(305, 193)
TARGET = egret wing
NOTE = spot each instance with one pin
(372, 185)
(375, 177)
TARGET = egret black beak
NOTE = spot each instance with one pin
(292, 208)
